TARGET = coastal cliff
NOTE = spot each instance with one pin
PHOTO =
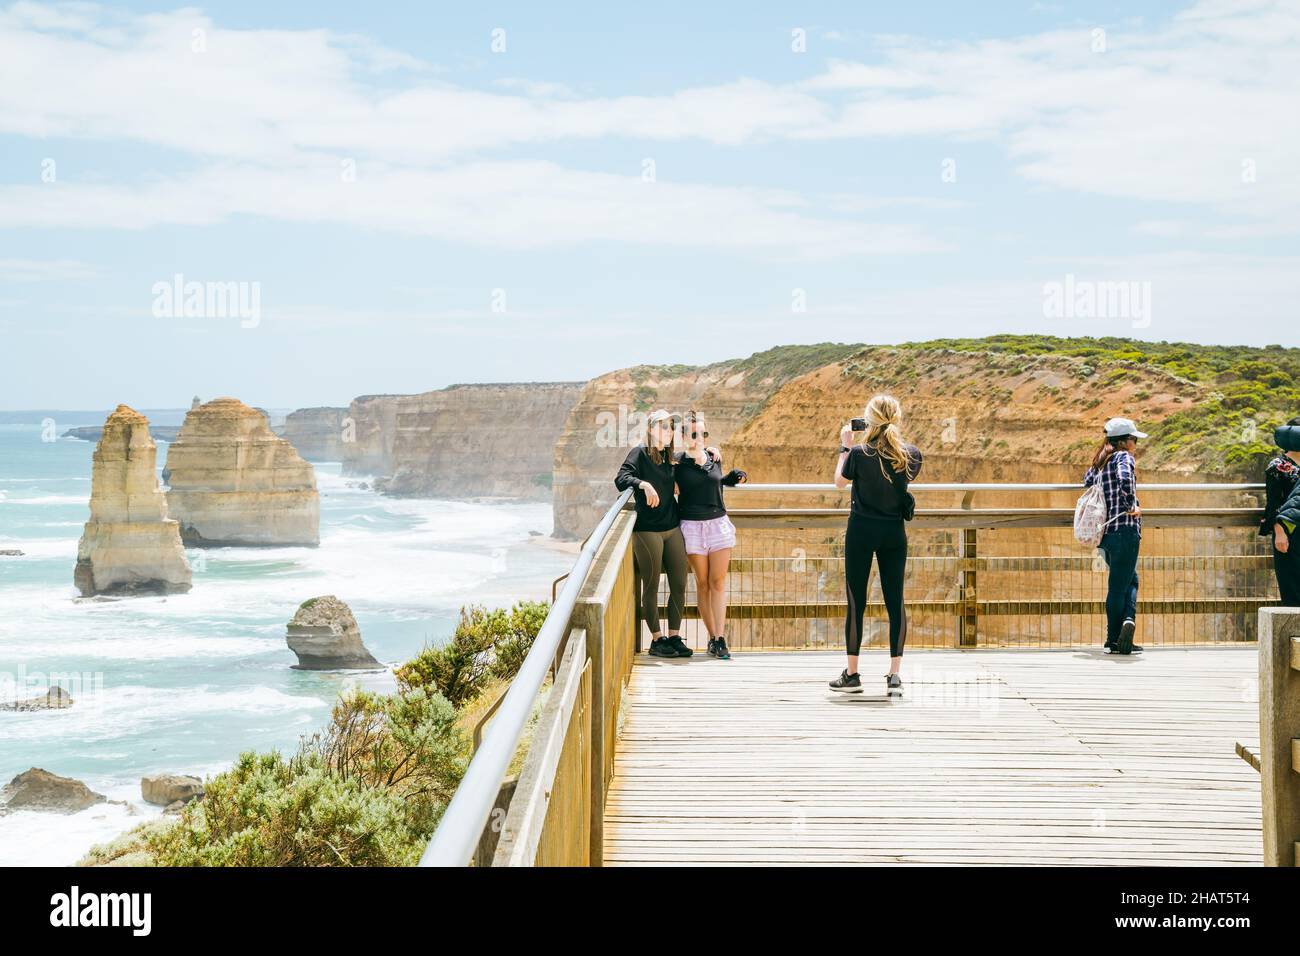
(371, 425)
(129, 545)
(470, 441)
(977, 416)
(609, 418)
(316, 433)
(232, 481)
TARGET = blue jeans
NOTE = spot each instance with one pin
(1121, 550)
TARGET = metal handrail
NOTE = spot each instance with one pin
(958, 486)
(458, 832)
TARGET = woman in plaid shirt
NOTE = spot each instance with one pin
(1114, 467)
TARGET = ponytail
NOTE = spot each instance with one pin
(883, 415)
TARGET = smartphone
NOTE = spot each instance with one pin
(858, 424)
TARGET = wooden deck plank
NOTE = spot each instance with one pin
(1052, 757)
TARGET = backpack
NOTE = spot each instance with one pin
(1090, 516)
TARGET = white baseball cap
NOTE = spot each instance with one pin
(659, 415)
(1122, 427)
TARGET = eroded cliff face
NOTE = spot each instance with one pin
(369, 431)
(316, 433)
(609, 418)
(129, 545)
(232, 481)
(469, 441)
(976, 417)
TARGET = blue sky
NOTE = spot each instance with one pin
(415, 209)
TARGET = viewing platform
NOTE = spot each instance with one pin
(1061, 757)
(1016, 740)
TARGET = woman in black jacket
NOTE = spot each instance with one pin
(657, 544)
(708, 532)
(879, 470)
(1280, 481)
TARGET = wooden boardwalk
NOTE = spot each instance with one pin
(1059, 757)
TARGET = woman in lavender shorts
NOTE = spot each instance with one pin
(708, 531)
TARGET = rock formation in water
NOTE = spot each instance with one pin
(165, 789)
(325, 636)
(38, 789)
(609, 418)
(317, 433)
(129, 545)
(233, 482)
(471, 441)
(165, 433)
(56, 698)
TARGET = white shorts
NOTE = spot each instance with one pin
(705, 537)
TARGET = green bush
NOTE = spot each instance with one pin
(487, 644)
(368, 792)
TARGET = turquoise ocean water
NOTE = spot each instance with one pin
(183, 683)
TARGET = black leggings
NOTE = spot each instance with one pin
(887, 541)
(655, 552)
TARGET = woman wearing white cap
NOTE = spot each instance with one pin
(657, 543)
(1114, 467)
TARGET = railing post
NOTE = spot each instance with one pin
(968, 622)
(1279, 733)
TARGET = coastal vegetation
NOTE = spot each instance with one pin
(370, 788)
(1236, 394)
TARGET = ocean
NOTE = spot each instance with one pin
(182, 684)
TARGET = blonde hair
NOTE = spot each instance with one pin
(883, 414)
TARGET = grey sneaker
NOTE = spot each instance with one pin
(893, 685)
(847, 683)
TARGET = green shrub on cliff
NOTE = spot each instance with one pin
(487, 644)
(368, 792)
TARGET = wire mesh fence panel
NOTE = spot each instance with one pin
(1023, 581)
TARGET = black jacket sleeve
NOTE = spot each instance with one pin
(627, 476)
(733, 477)
(1289, 513)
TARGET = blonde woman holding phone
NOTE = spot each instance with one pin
(878, 469)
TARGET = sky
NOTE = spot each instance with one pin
(355, 198)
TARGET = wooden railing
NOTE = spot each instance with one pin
(999, 576)
(1279, 734)
(554, 813)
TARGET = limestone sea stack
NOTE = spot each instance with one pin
(325, 636)
(317, 433)
(130, 545)
(234, 482)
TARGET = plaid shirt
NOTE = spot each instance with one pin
(1119, 488)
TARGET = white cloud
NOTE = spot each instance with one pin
(45, 270)
(1170, 114)
(520, 204)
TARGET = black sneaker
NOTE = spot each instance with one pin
(847, 683)
(718, 648)
(660, 647)
(1124, 643)
(1108, 647)
(893, 685)
(679, 646)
